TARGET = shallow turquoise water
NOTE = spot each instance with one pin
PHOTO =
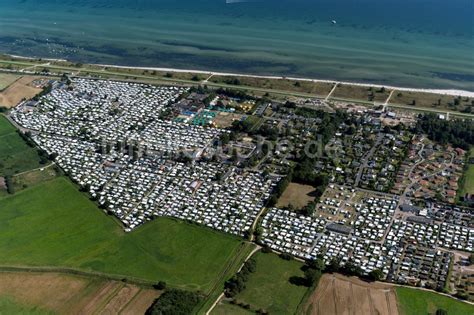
(416, 43)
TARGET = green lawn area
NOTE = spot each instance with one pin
(269, 287)
(15, 155)
(225, 308)
(53, 224)
(416, 302)
(468, 178)
(468, 186)
(8, 306)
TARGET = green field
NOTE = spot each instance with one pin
(15, 155)
(468, 182)
(416, 302)
(52, 224)
(225, 308)
(468, 178)
(269, 287)
(8, 306)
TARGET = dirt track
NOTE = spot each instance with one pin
(339, 295)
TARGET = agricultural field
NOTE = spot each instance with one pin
(337, 294)
(15, 155)
(9, 306)
(296, 195)
(54, 293)
(269, 287)
(6, 79)
(362, 93)
(19, 90)
(414, 302)
(53, 224)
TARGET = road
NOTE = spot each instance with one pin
(366, 158)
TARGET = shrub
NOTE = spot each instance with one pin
(160, 285)
(174, 302)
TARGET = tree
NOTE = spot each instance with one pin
(440, 311)
(334, 265)
(237, 283)
(160, 285)
(376, 275)
(311, 276)
(318, 264)
(9, 183)
(174, 302)
(225, 138)
(286, 256)
(308, 210)
(351, 269)
(458, 132)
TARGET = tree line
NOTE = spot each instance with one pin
(175, 302)
(236, 284)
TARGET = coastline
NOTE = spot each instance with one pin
(450, 92)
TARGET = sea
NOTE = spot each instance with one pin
(409, 43)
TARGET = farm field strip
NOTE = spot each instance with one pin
(337, 294)
(71, 294)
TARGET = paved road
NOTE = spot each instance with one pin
(366, 159)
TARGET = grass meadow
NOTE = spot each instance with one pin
(467, 182)
(269, 287)
(15, 155)
(416, 302)
(53, 224)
